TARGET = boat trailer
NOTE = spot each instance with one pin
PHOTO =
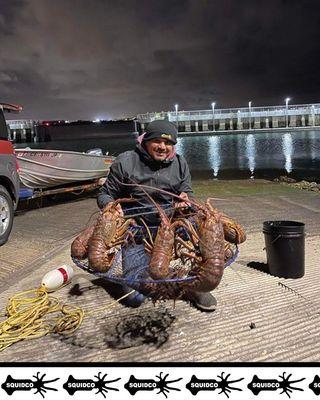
(29, 194)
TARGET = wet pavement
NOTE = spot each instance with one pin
(259, 317)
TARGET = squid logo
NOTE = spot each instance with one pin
(73, 385)
(315, 385)
(258, 385)
(39, 384)
(223, 383)
(162, 384)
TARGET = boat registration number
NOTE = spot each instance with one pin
(39, 154)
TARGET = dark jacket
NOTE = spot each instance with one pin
(137, 166)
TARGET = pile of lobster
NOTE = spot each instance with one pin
(195, 246)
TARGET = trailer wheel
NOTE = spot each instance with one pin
(6, 214)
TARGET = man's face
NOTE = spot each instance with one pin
(159, 149)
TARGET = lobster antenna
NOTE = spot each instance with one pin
(163, 191)
(159, 209)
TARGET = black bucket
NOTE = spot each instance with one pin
(285, 248)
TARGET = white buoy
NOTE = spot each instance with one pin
(54, 280)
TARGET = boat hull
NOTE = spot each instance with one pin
(40, 169)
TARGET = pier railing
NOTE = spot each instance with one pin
(242, 112)
(243, 118)
(212, 120)
(20, 123)
(22, 130)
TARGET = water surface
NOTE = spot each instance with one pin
(232, 156)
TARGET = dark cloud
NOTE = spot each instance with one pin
(111, 58)
(8, 12)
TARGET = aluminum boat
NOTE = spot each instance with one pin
(39, 168)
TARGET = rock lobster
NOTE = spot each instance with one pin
(99, 242)
(162, 248)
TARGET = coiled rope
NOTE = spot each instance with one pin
(28, 316)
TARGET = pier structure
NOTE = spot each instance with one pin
(239, 119)
(28, 131)
(22, 130)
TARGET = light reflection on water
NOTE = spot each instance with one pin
(287, 146)
(251, 153)
(232, 156)
(214, 154)
(313, 145)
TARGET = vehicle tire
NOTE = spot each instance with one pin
(6, 214)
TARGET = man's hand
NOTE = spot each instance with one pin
(102, 181)
(184, 201)
(119, 210)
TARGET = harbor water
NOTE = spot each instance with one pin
(264, 155)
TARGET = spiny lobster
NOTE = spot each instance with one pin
(99, 242)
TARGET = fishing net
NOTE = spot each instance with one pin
(131, 262)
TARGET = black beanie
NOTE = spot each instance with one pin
(161, 129)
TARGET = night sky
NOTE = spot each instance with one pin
(80, 59)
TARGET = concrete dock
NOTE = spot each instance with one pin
(259, 317)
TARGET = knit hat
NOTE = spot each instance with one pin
(161, 129)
